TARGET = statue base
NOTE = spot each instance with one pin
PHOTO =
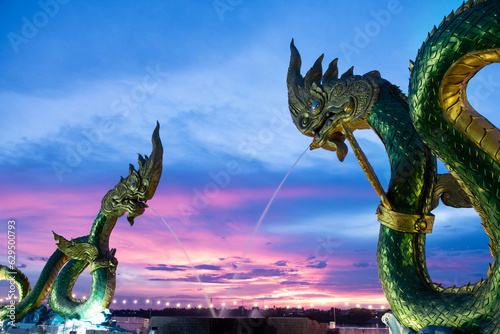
(185, 325)
(396, 328)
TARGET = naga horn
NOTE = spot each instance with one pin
(314, 74)
(295, 81)
(332, 73)
(153, 167)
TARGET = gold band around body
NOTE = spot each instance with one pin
(404, 222)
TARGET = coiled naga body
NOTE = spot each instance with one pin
(435, 120)
(73, 256)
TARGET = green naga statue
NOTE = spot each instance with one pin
(73, 256)
(435, 120)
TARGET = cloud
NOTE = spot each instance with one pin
(295, 283)
(266, 272)
(203, 278)
(361, 265)
(164, 267)
(207, 267)
(318, 265)
(281, 263)
(38, 258)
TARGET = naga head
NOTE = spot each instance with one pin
(131, 193)
(319, 102)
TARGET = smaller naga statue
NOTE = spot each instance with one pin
(435, 120)
(71, 257)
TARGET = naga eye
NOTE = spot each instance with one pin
(315, 105)
(305, 119)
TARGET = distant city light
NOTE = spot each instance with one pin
(158, 302)
(299, 306)
(382, 307)
(84, 297)
(346, 303)
(167, 303)
(211, 305)
(357, 305)
(178, 305)
(234, 303)
(114, 301)
(288, 306)
(255, 304)
(73, 295)
(124, 301)
(223, 304)
(312, 305)
(147, 301)
(265, 307)
(370, 307)
(199, 306)
(135, 301)
(189, 306)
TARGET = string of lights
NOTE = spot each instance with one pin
(162, 303)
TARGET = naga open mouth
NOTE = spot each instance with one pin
(328, 134)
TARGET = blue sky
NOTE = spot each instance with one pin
(83, 84)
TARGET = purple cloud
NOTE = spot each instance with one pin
(164, 267)
(281, 263)
(361, 265)
(207, 267)
(318, 265)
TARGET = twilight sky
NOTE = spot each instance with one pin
(83, 83)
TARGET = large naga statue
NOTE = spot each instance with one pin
(73, 256)
(435, 120)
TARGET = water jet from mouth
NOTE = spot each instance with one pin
(264, 213)
(189, 261)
